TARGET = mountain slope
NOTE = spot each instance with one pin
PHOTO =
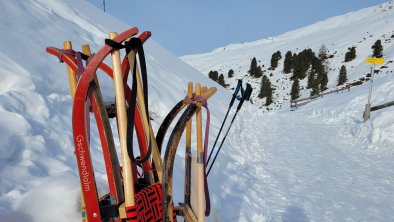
(38, 174)
(360, 29)
(319, 163)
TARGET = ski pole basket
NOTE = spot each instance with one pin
(132, 196)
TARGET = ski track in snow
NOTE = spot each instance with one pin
(293, 179)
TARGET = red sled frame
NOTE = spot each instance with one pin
(87, 90)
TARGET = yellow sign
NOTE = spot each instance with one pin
(376, 61)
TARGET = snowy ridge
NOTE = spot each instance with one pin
(319, 163)
(360, 29)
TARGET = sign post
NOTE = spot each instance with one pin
(374, 62)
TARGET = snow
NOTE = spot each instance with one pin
(321, 162)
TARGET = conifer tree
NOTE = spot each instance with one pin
(300, 66)
(221, 80)
(342, 77)
(351, 54)
(263, 86)
(302, 62)
(288, 63)
(315, 88)
(275, 59)
(230, 73)
(317, 65)
(295, 89)
(311, 79)
(268, 99)
(377, 49)
(214, 75)
(323, 81)
(253, 67)
(315, 84)
(266, 90)
(259, 72)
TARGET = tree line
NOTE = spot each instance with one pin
(305, 64)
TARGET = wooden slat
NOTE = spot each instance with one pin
(122, 125)
(200, 163)
(72, 78)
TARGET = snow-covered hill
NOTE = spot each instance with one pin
(38, 174)
(360, 29)
(319, 163)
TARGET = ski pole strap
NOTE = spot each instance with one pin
(245, 96)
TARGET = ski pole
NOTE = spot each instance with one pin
(246, 96)
(239, 86)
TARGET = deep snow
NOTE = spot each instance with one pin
(319, 163)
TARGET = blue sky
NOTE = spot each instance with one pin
(189, 27)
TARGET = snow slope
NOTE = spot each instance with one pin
(37, 165)
(360, 29)
(320, 163)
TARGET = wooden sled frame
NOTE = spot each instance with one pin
(88, 90)
(120, 203)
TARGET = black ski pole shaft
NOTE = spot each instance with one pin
(239, 85)
(217, 137)
(248, 93)
(220, 147)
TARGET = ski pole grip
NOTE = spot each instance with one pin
(239, 85)
(248, 92)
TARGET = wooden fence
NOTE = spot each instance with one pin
(294, 104)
